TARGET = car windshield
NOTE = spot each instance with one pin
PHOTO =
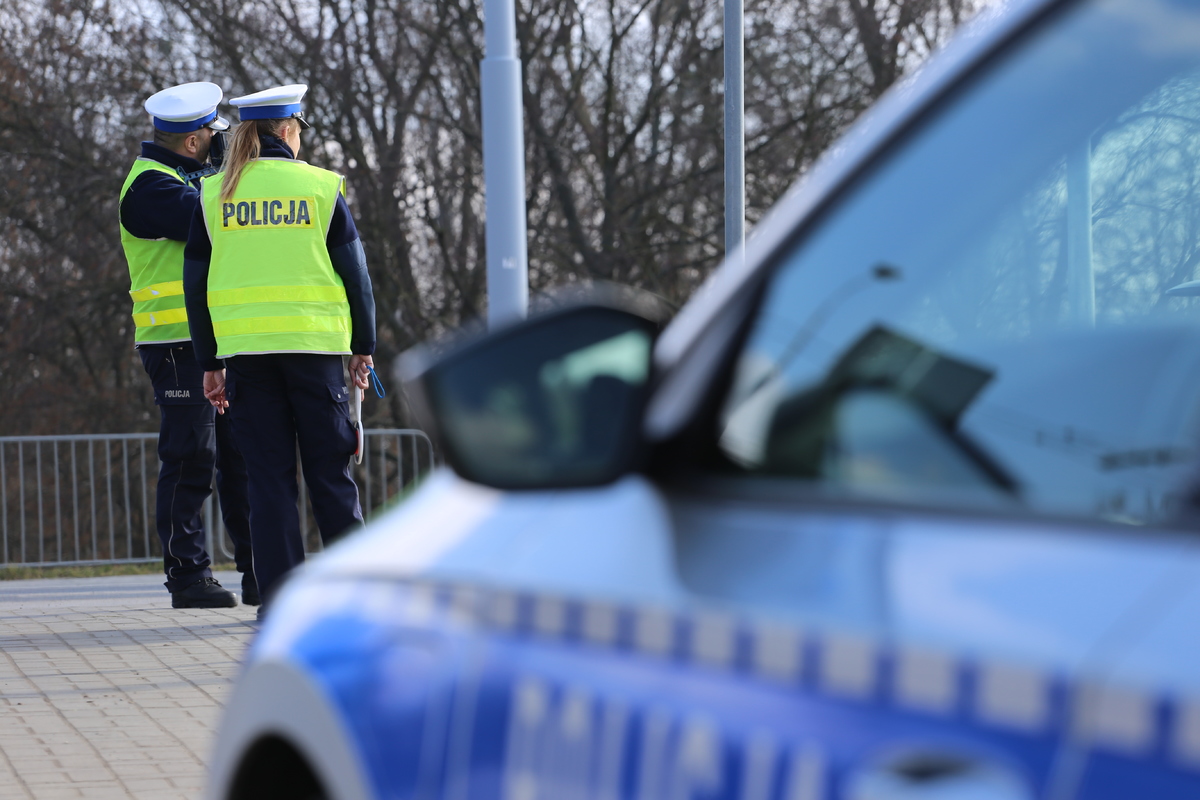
(1006, 309)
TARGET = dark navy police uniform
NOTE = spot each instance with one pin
(280, 400)
(193, 439)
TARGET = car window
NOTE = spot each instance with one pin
(1002, 311)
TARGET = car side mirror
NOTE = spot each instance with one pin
(551, 402)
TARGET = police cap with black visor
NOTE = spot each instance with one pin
(279, 102)
(192, 107)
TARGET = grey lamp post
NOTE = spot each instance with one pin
(503, 165)
(1081, 279)
(735, 136)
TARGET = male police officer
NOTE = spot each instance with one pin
(158, 200)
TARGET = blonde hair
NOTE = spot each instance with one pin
(246, 147)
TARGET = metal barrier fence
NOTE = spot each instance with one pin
(89, 499)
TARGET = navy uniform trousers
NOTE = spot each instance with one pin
(193, 440)
(279, 400)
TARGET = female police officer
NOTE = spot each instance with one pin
(276, 285)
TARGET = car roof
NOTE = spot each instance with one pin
(901, 107)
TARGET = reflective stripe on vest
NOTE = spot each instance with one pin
(271, 285)
(168, 289)
(155, 275)
(156, 319)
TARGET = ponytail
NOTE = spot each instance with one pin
(245, 148)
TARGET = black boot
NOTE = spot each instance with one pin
(250, 596)
(204, 593)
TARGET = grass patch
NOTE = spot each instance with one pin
(83, 571)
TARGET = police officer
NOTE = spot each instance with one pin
(277, 289)
(158, 200)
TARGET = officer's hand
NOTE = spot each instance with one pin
(214, 389)
(359, 372)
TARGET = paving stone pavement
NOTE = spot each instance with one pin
(108, 692)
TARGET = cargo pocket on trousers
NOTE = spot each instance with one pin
(188, 440)
(347, 441)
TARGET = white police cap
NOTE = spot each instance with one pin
(278, 102)
(185, 108)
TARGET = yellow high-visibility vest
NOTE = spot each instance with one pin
(271, 284)
(155, 276)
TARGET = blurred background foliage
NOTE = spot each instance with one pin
(623, 105)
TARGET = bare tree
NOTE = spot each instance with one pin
(623, 150)
(66, 132)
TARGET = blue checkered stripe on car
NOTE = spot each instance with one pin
(842, 665)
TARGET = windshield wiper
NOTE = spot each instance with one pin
(880, 272)
(938, 386)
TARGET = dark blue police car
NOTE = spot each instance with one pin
(902, 505)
